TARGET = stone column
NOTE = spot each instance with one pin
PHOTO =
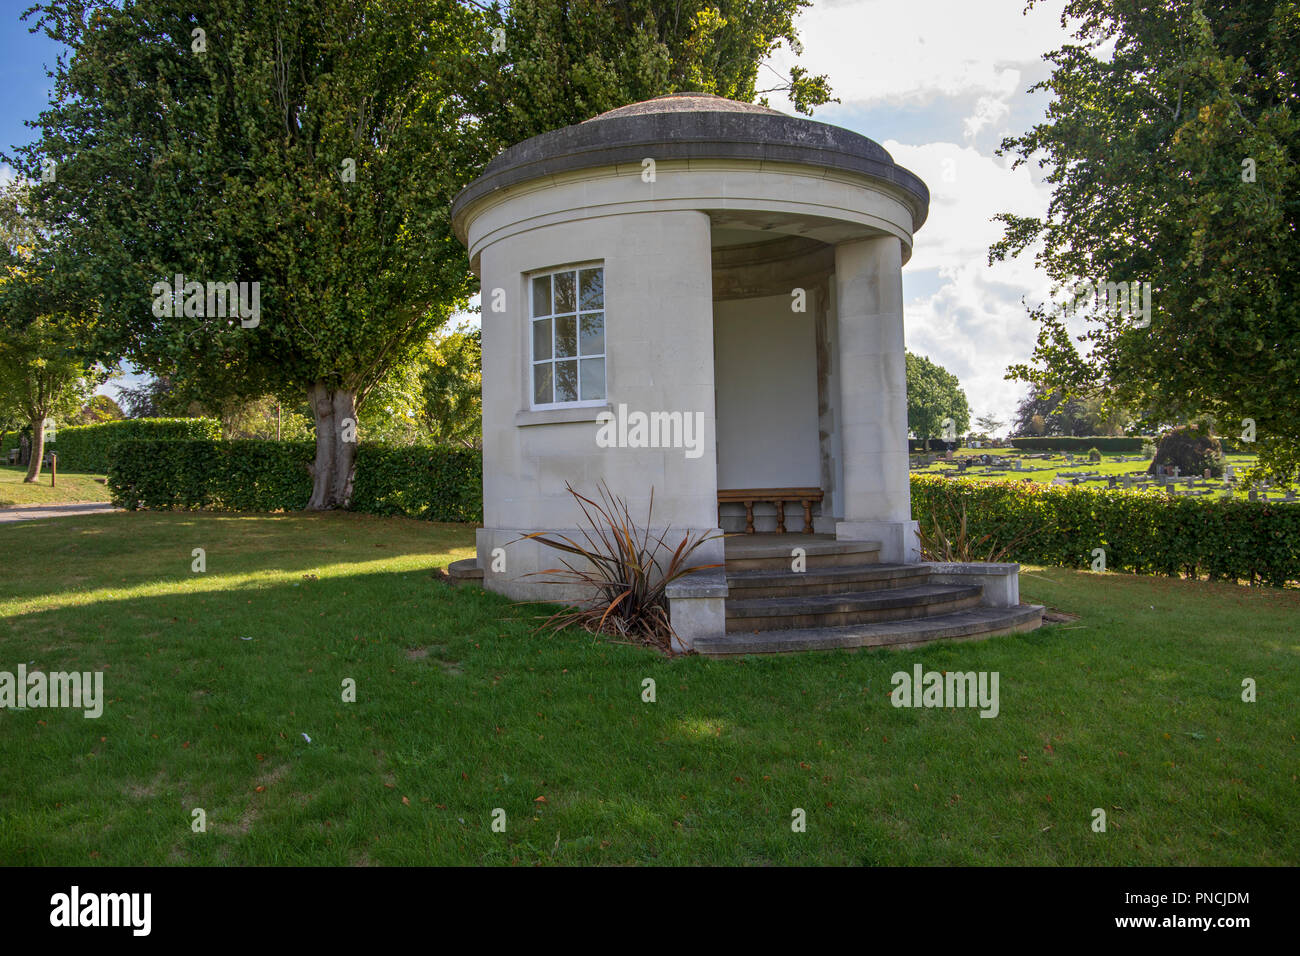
(873, 386)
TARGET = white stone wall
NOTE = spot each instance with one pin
(767, 394)
(659, 357)
(653, 239)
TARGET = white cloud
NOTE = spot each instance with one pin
(988, 110)
(975, 323)
(883, 51)
(949, 69)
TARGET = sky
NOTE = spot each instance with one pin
(938, 83)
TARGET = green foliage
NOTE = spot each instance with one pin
(100, 408)
(44, 373)
(436, 484)
(1170, 147)
(1094, 453)
(234, 164)
(1082, 445)
(451, 384)
(933, 395)
(565, 61)
(623, 567)
(89, 448)
(1141, 532)
(1192, 450)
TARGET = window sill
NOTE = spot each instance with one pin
(555, 416)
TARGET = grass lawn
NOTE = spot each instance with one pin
(1044, 470)
(70, 487)
(1135, 708)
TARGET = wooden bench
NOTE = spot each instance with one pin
(778, 497)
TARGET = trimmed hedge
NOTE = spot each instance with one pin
(86, 447)
(1121, 445)
(1142, 532)
(435, 484)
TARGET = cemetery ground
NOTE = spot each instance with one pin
(215, 681)
(1047, 467)
(69, 488)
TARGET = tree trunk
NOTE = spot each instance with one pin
(336, 446)
(38, 451)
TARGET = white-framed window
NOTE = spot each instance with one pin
(567, 310)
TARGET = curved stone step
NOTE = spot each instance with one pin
(832, 580)
(773, 552)
(857, 607)
(465, 573)
(969, 624)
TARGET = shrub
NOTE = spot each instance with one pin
(1114, 445)
(1142, 532)
(1191, 449)
(88, 447)
(620, 566)
(1094, 454)
(947, 538)
(436, 484)
(1148, 450)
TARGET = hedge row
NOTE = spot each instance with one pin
(1064, 443)
(436, 484)
(87, 447)
(1141, 532)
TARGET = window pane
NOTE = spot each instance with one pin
(593, 288)
(566, 381)
(542, 339)
(593, 334)
(541, 295)
(542, 384)
(566, 336)
(593, 379)
(565, 300)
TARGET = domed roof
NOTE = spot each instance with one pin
(685, 103)
(694, 126)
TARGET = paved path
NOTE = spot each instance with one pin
(32, 512)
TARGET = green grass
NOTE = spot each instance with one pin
(1044, 470)
(69, 487)
(1135, 708)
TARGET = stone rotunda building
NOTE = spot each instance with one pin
(704, 298)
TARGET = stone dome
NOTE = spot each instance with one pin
(694, 126)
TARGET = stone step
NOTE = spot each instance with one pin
(773, 552)
(828, 580)
(465, 573)
(969, 624)
(856, 607)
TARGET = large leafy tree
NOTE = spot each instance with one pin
(564, 61)
(313, 147)
(309, 146)
(451, 377)
(934, 396)
(1170, 145)
(45, 374)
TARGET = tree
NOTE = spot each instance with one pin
(1057, 414)
(1170, 144)
(100, 408)
(44, 375)
(565, 61)
(989, 424)
(308, 150)
(451, 383)
(934, 398)
(1193, 449)
(157, 397)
